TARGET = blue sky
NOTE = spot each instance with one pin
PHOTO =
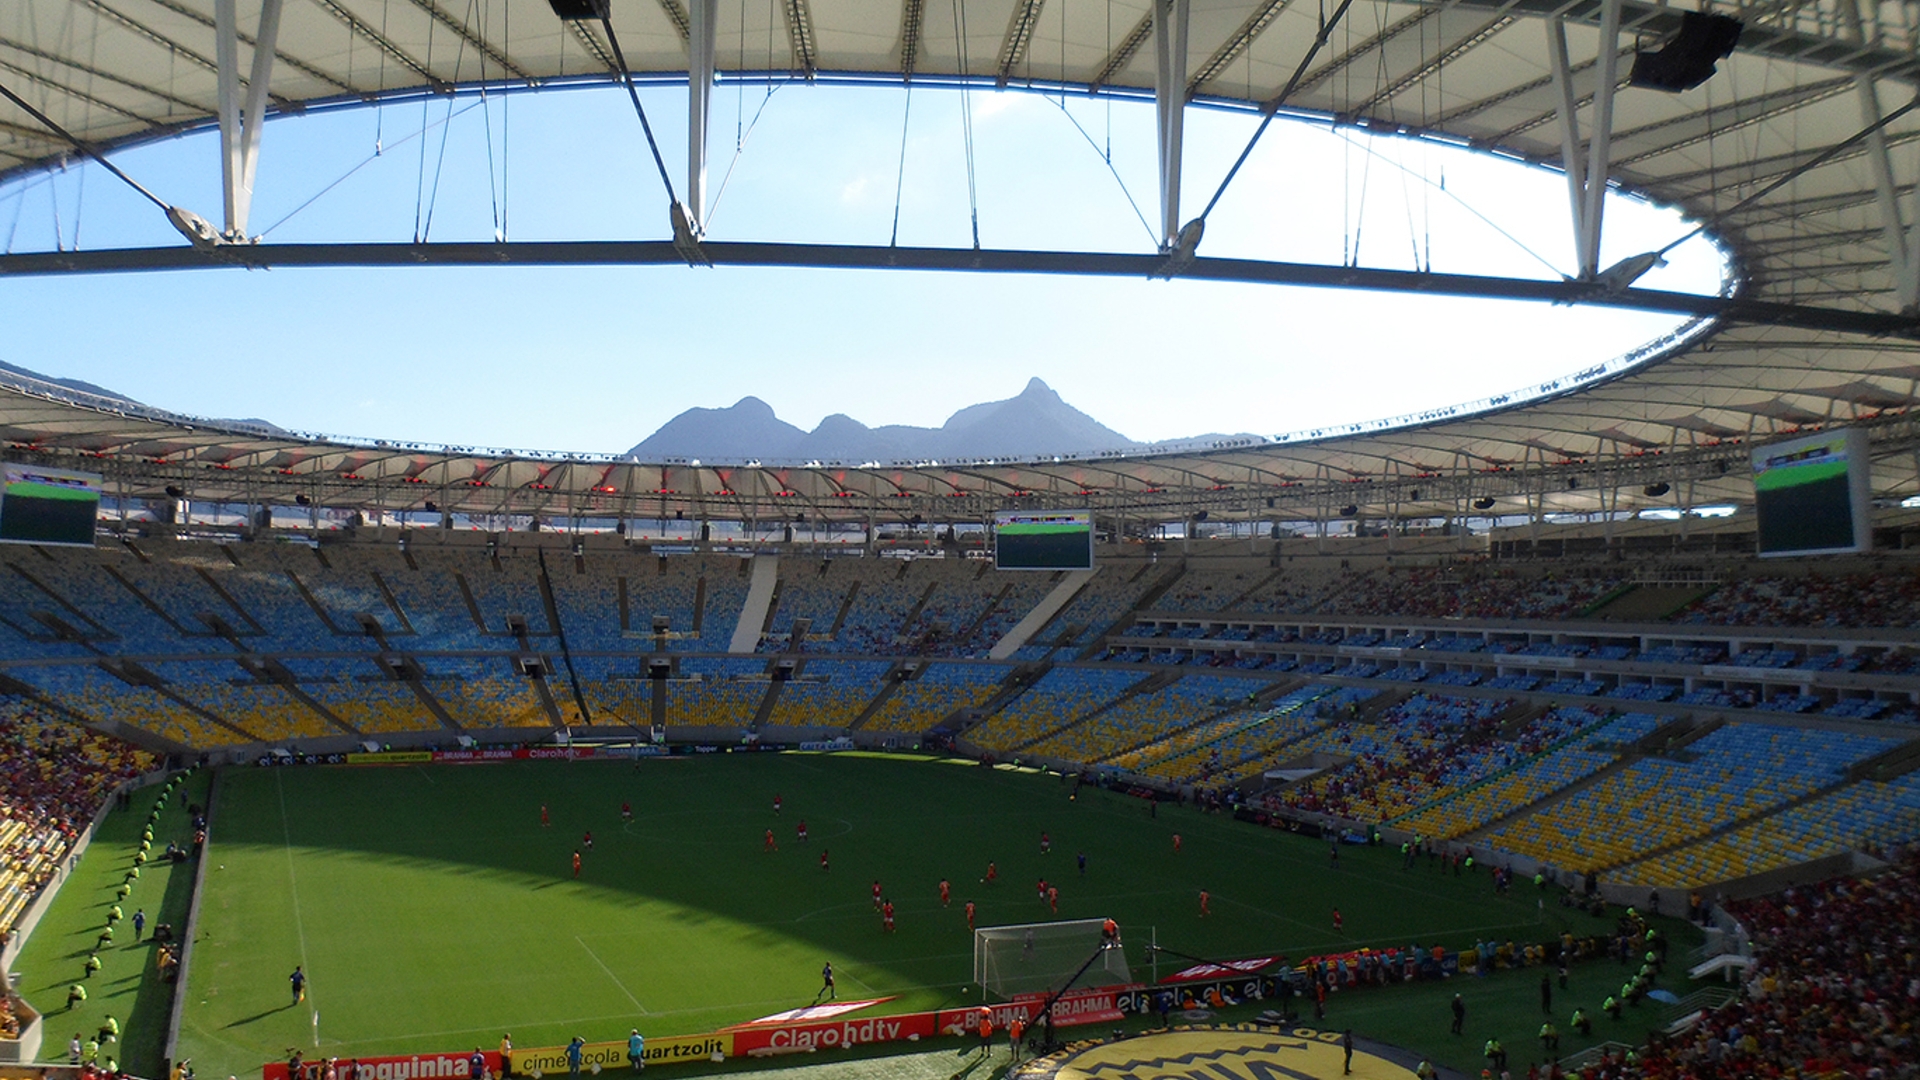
(594, 359)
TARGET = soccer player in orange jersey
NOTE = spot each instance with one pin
(969, 914)
(993, 874)
(576, 862)
(770, 845)
(1176, 843)
(946, 893)
(1205, 908)
(1053, 898)
(544, 819)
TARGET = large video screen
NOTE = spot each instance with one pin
(47, 506)
(1812, 494)
(1051, 540)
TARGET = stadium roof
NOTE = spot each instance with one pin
(1796, 156)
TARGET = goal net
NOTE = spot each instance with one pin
(1035, 958)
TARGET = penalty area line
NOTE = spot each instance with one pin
(616, 979)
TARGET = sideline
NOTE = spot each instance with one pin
(171, 1048)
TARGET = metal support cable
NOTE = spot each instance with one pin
(626, 78)
(1273, 110)
(83, 147)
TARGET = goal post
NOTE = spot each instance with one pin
(1038, 958)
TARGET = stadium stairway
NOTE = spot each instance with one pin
(1552, 798)
(1158, 680)
(1147, 599)
(1710, 835)
(1043, 613)
(758, 608)
(1263, 697)
(888, 687)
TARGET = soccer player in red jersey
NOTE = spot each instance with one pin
(1338, 921)
(1176, 843)
(544, 820)
(1046, 843)
(801, 830)
(993, 874)
(587, 840)
(886, 915)
(626, 811)
(776, 804)
(1205, 897)
(876, 894)
(969, 914)
(946, 892)
(823, 859)
(1042, 890)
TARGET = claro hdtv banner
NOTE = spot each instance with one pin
(1075, 1007)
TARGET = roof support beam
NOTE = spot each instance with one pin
(472, 38)
(293, 62)
(1237, 45)
(703, 17)
(240, 132)
(912, 12)
(379, 40)
(1026, 16)
(1902, 241)
(806, 58)
(1586, 181)
(1170, 19)
(1122, 53)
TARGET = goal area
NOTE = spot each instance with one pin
(1038, 958)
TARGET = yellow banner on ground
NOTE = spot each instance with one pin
(392, 757)
(660, 1050)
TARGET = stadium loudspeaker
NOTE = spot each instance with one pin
(1689, 57)
(302, 500)
(1483, 504)
(175, 491)
(660, 624)
(659, 669)
(1654, 491)
(575, 10)
(1350, 510)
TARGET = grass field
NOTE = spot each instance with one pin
(433, 911)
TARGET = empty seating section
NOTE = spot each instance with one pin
(941, 690)
(889, 590)
(811, 591)
(1109, 595)
(485, 692)
(1506, 791)
(1417, 751)
(590, 606)
(1148, 717)
(261, 709)
(54, 777)
(434, 605)
(508, 592)
(1229, 742)
(1856, 816)
(1062, 695)
(829, 693)
(271, 601)
(727, 693)
(1732, 773)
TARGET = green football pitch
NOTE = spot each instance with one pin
(432, 910)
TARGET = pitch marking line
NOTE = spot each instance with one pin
(616, 979)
